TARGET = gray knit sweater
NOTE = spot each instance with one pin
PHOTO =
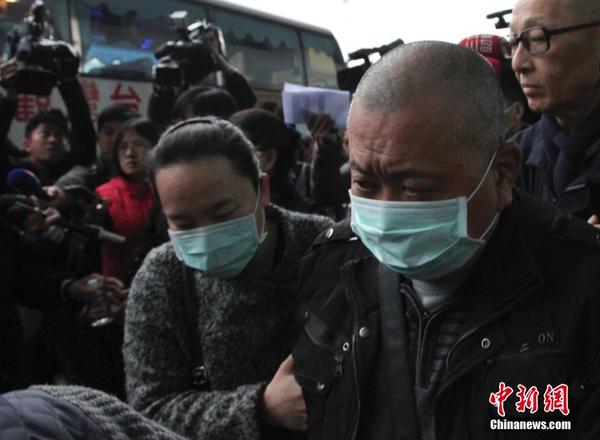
(104, 413)
(246, 328)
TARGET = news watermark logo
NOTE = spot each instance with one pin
(556, 399)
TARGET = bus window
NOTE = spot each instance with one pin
(267, 54)
(323, 58)
(119, 38)
(14, 13)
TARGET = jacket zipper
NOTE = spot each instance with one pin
(425, 317)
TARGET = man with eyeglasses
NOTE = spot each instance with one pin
(555, 51)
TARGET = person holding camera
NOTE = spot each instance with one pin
(173, 101)
(46, 133)
(36, 65)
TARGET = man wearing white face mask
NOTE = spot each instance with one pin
(446, 282)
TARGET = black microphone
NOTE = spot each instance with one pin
(26, 182)
(92, 231)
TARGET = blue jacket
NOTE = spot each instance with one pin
(35, 414)
(73, 413)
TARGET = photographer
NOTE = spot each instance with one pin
(38, 63)
(170, 102)
(30, 281)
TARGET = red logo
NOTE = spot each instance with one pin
(555, 399)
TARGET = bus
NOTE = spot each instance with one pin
(117, 40)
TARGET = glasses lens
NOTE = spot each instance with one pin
(536, 40)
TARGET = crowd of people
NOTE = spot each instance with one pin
(207, 272)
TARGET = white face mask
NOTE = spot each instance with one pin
(420, 240)
(223, 249)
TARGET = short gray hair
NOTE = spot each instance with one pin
(457, 79)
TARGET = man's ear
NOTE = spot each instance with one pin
(265, 188)
(507, 169)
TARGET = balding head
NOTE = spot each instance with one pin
(456, 85)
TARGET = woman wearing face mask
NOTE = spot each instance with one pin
(210, 318)
(128, 196)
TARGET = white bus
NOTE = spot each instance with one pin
(117, 40)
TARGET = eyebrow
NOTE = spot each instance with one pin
(215, 207)
(395, 174)
(531, 22)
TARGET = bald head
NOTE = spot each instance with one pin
(586, 9)
(451, 81)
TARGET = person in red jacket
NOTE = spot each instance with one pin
(129, 195)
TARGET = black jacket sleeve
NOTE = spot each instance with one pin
(160, 106)
(240, 89)
(83, 134)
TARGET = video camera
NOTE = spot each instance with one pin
(501, 17)
(191, 56)
(349, 77)
(41, 60)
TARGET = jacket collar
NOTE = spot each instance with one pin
(550, 138)
(504, 268)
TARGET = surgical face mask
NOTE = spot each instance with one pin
(420, 240)
(223, 249)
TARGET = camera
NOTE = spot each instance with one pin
(41, 60)
(191, 56)
(349, 77)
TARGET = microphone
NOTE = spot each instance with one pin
(92, 231)
(26, 182)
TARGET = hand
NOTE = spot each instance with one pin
(594, 221)
(282, 402)
(319, 125)
(53, 232)
(81, 290)
(57, 196)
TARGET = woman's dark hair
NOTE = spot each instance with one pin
(204, 101)
(205, 137)
(214, 102)
(116, 113)
(266, 131)
(146, 128)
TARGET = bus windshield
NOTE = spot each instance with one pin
(119, 38)
(267, 53)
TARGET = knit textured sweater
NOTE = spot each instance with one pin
(246, 328)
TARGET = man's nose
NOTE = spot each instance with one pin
(521, 59)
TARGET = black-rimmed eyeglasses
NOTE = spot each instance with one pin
(536, 40)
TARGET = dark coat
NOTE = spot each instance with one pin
(581, 197)
(534, 319)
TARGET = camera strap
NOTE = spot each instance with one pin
(199, 379)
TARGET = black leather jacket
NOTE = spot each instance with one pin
(534, 319)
